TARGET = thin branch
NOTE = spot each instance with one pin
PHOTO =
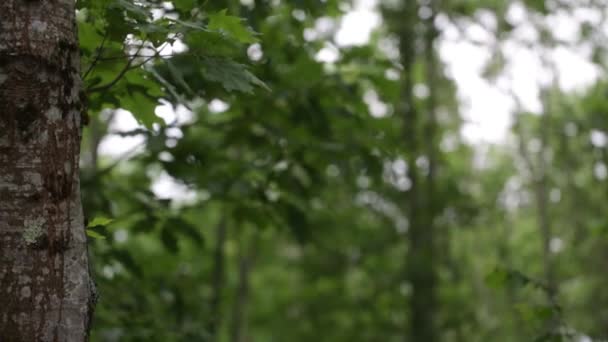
(118, 77)
(129, 66)
(111, 58)
(97, 56)
(121, 74)
(123, 157)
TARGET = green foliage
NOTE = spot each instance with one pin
(289, 211)
(123, 46)
(231, 26)
(99, 222)
(232, 75)
(95, 235)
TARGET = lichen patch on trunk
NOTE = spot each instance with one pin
(34, 230)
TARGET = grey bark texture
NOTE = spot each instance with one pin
(45, 287)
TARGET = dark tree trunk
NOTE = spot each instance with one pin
(420, 204)
(239, 323)
(219, 262)
(247, 257)
(45, 288)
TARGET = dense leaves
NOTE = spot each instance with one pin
(274, 193)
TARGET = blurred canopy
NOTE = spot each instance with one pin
(335, 199)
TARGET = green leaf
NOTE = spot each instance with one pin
(167, 236)
(117, 27)
(95, 235)
(232, 75)
(89, 37)
(534, 313)
(188, 230)
(537, 5)
(99, 221)
(231, 26)
(125, 258)
(184, 5)
(134, 8)
(215, 43)
(142, 107)
(178, 76)
(497, 278)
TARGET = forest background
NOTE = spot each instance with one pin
(322, 170)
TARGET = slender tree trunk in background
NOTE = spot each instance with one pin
(238, 331)
(430, 239)
(538, 171)
(240, 305)
(96, 133)
(542, 203)
(421, 258)
(420, 276)
(574, 218)
(544, 221)
(45, 288)
(219, 262)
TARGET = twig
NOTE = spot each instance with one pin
(118, 77)
(129, 66)
(97, 56)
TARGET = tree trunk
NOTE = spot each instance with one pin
(239, 322)
(543, 214)
(45, 289)
(219, 261)
(420, 270)
(247, 257)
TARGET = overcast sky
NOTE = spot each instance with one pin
(488, 106)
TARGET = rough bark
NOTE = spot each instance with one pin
(45, 288)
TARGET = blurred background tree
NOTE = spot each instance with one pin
(284, 184)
